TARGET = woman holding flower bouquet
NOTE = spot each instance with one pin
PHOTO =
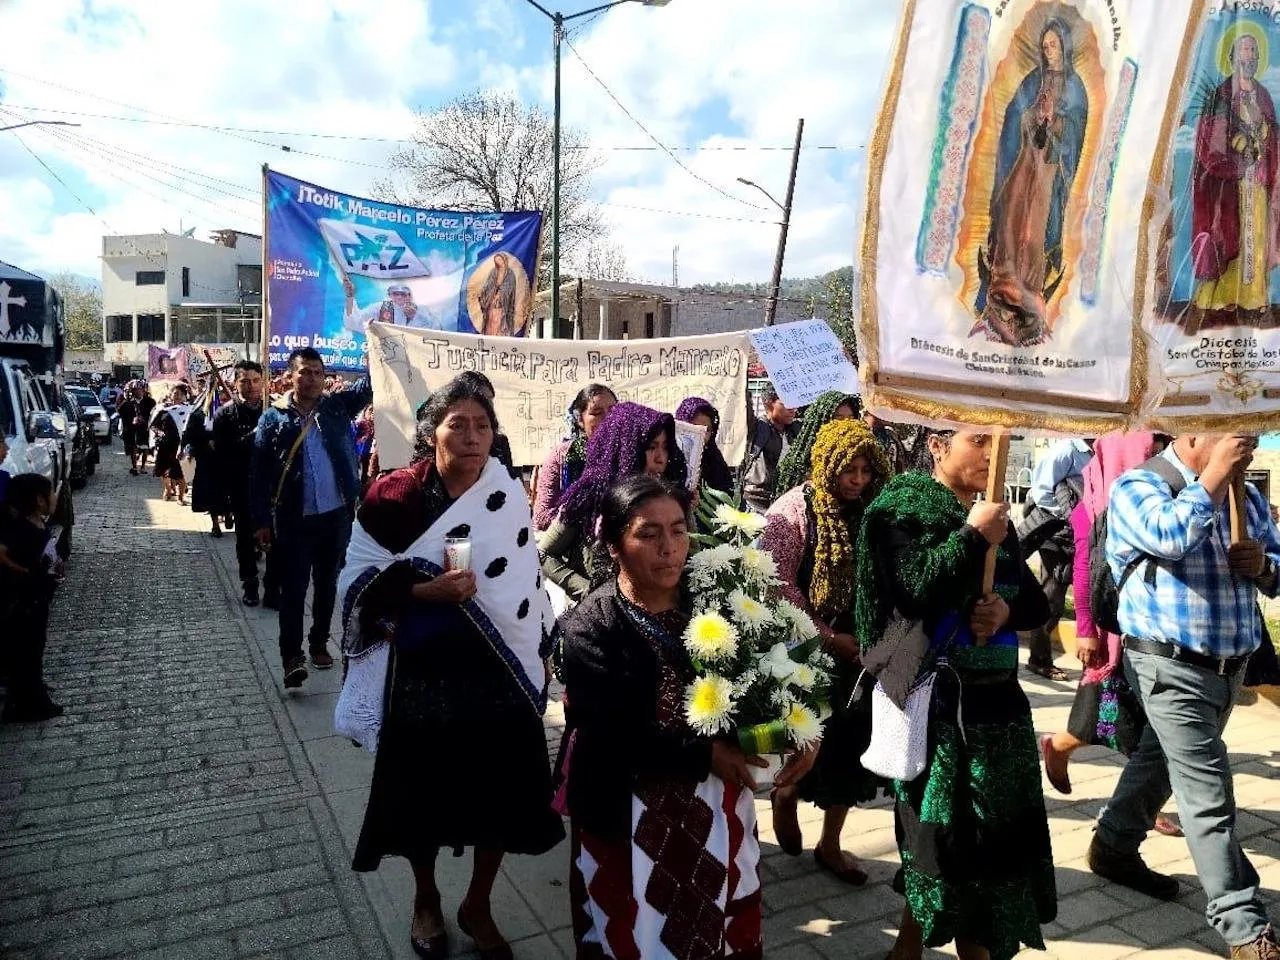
(812, 532)
(632, 439)
(642, 785)
(972, 831)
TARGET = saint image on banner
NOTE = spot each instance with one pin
(498, 296)
(1038, 156)
(1221, 256)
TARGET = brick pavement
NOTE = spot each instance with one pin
(223, 810)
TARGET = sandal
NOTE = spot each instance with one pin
(1167, 827)
(854, 876)
(433, 947)
(1049, 672)
(788, 836)
(1061, 784)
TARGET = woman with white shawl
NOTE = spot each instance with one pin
(447, 674)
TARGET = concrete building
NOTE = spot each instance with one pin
(608, 310)
(170, 289)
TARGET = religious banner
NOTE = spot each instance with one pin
(535, 381)
(336, 262)
(804, 359)
(1214, 227)
(167, 363)
(1006, 176)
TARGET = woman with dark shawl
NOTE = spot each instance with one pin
(665, 857)
(632, 439)
(793, 468)
(565, 462)
(715, 471)
(812, 532)
(461, 754)
(208, 489)
(167, 425)
(973, 835)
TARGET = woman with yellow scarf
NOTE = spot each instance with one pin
(812, 532)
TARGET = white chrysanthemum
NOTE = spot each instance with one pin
(749, 613)
(799, 623)
(739, 521)
(803, 725)
(804, 677)
(710, 636)
(759, 565)
(713, 560)
(709, 704)
(777, 663)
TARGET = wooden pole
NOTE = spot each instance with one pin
(1238, 499)
(771, 308)
(995, 494)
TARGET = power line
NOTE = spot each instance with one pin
(65, 185)
(363, 138)
(686, 213)
(669, 153)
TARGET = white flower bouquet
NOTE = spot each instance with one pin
(761, 671)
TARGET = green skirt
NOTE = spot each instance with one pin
(972, 830)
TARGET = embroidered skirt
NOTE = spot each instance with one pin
(685, 885)
(972, 830)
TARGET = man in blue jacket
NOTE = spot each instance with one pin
(305, 484)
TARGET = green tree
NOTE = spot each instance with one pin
(834, 301)
(82, 305)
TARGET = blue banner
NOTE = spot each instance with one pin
(335, 262)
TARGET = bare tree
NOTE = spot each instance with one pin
(600, 260)
(488, 151)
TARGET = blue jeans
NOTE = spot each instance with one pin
(309, 551)
(1182, 753)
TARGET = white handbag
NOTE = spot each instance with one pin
(899, 748)
(358, 714)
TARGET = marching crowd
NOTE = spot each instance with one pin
(443, 571)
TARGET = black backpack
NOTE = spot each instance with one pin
(1104, 592)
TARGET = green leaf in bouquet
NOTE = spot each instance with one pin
(803, 652)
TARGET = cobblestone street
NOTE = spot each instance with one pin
(186, 806)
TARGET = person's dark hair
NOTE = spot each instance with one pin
(308, 354)
(945, 436)
(24, 491)
(477, 380)
(252, 366)
(587, 394)
(769, 394)
(434, 411)
(617, 510)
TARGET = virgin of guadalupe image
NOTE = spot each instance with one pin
(498, 299)
(1234, 240)
(1041, 141)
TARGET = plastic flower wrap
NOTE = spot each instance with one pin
(761, 672)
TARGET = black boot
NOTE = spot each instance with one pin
(251, 593)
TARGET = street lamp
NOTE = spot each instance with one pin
(33, 123)
(771, 309)
(559, 20)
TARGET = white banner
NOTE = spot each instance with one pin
(804, 359)
(536, 380)
(1007, 174)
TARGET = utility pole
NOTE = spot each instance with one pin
(675, 265)
(558, 21)
(772, 309)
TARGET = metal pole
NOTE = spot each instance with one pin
(555, 184)
(772, 309)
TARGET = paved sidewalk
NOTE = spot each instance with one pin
(187, 800)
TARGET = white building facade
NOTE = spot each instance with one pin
(170, 290)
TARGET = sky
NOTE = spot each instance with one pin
(703, 77)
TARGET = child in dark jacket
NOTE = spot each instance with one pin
(28, 564)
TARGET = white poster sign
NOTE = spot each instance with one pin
(804, 359)
(535, 381)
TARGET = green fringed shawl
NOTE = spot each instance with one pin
(794, 467)
(934, 572)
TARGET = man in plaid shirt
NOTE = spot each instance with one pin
(1188, 612)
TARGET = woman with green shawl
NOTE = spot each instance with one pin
(795, 465)
(972, 831)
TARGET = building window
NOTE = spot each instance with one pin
(249, 280)
(626, 329)
(648, 326)
(151, 327)
(564, 329)
(120, 328)
(186, 281)
(149, 278)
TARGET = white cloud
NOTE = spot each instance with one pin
(710, 73)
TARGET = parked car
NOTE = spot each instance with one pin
(94, 410)
(36, 432)
(84, 445)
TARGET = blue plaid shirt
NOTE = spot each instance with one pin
(1196, 602)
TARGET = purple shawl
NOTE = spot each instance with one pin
(614, 452)
(715, 471)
